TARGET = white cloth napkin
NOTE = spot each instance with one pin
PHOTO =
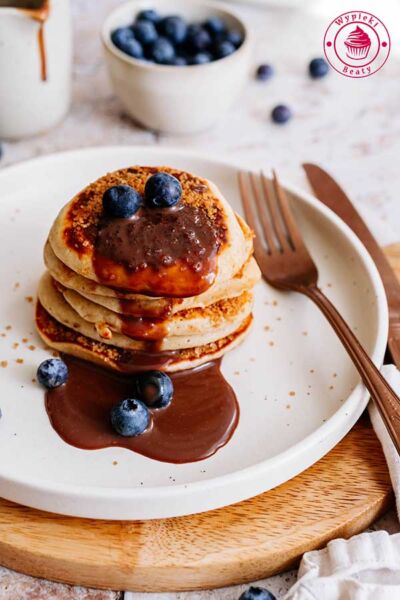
(366, 567)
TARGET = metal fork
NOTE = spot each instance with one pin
(287, 265)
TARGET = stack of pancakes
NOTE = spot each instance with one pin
(168, 288)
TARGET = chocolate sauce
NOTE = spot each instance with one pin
(141, 328)
(200, 419)
(163, 308)
(126, 361)
(38, 10)
(162, 252)
(136, 361)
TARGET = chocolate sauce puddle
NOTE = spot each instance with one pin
(201, 418)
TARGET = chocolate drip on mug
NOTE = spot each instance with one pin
(38, 10)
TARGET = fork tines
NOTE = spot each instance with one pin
(268, 201)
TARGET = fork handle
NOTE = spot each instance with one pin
(386, 400)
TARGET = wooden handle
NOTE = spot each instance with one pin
(385, 398)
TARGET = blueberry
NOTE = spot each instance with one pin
(318, 67)
(162, 190)
(122, 36)
(215, 25)
(257, 593)
(162, 51)
(145, 32)
(281, 114)
(224, 49)
(201, 58)
(234, 37)
(125, 40)
(52, 372)
(121, 201)
(264, 72)
(130, 417)
(179, 61)
(174, 28)
(198, 39)
(155, 388)
(148, 15)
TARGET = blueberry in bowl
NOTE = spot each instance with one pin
(209, 43)
(124, 39)
(150, 27)
(144, 32)
(162, 51)
(174, 28)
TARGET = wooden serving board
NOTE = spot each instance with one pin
(337, 497)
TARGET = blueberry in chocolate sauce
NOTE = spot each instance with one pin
(125, 41)
(162, 190)
(52, 373)
(130, 417)
(155, 389)
(121, 201)
(318, 68)
(174, 28)
(256, 593)
(145, 32)
(162, 51)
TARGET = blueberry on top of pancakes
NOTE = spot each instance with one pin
(121, 201)
(162, 190)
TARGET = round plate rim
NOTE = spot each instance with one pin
(252, 472)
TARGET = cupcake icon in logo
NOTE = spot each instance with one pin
(358, 44)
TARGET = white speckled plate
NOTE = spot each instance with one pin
(298, 391)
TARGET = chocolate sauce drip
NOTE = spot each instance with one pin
(140, 328)
(127, 361)
(136, 361)
(163, 308)
(162, 252)
(38, 10)
(200, 419)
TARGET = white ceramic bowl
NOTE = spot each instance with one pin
(175, 99)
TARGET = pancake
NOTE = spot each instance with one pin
(63, 339)
(210, 324)
(140, 305)
(186, 322)
(179, 252)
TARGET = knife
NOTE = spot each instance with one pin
(331, 194)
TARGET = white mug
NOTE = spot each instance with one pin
(35, 66)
